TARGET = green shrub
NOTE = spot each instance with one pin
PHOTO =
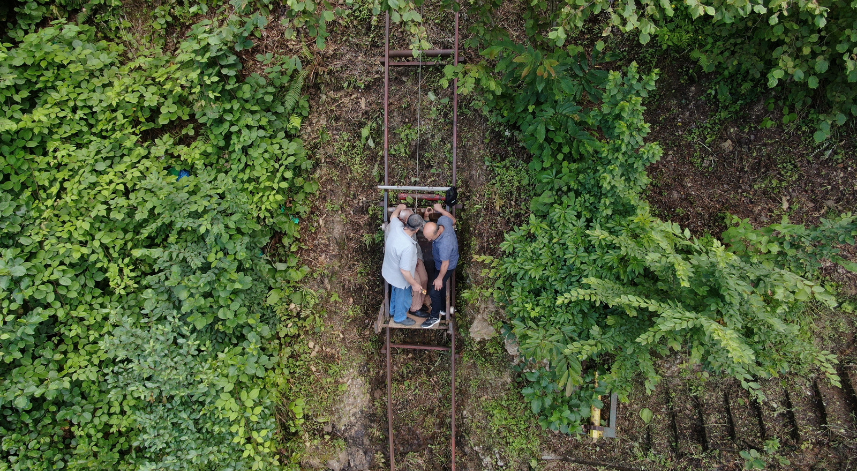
(593, 283)
(135, 329)
(796, 247)
(803, 48)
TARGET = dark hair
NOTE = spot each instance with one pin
(415, 222)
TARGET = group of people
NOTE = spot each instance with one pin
(405, 269)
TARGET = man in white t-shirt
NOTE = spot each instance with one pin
(417, 307)
(400, 263)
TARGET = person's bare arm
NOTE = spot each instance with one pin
(411, 281)
(438, 282)
(439, 208)
(398, 210)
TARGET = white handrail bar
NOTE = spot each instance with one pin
(414, 188)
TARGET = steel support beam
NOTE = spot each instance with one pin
(413, 188)
(427, 53)
(419, 347)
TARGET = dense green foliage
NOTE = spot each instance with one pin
(135, 331)
(795, 247)
(594, 283)
(300, 17)
(805, 48)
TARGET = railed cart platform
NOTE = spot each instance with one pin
(404, 59)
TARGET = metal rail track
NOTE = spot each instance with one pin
(392, 58)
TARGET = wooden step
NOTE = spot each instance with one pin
(804, 401)
(690, 435)
(837, 409)
(848, 373)
(439, 326)
(443, 324)
(661, 429)
(383, 320)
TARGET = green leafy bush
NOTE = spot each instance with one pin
(594, 283)
(27, 15)
(804, 48)
(135, 331)
(310, 17)
(796, 247)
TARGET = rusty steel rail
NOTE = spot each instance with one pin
(414, 188)
(422, 196)
(416, 57)
(426, 53)
(411, 63)
(386, 188)
(454, 158)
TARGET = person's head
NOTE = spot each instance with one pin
(431, 231)
(414, 223)
(404, 215)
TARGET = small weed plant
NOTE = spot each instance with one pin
(753, 459)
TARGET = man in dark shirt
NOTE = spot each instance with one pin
(445, 252)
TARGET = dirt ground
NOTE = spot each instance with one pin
(711, 165)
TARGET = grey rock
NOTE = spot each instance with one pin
(512, 349)
(339, 462)
(481, 329)
(357, 459)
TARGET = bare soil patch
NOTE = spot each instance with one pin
(716, 163)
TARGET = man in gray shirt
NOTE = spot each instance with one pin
(400, 263)
(417, 310)
(445, 252)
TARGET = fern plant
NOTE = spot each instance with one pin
(290, 99)
(593, 283)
